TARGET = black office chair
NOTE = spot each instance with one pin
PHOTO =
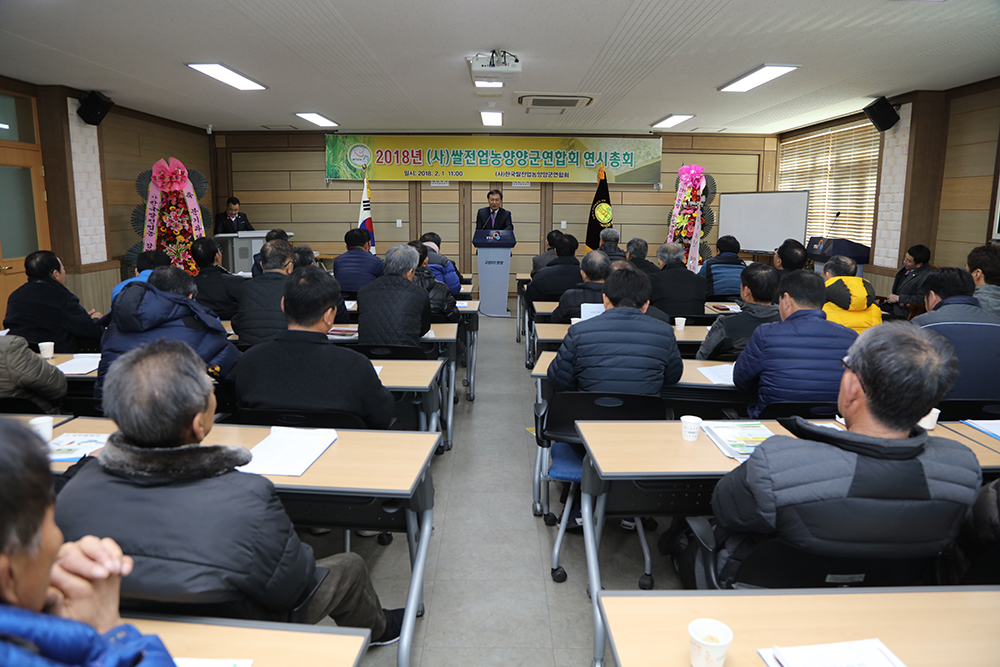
(390, 351)
(696, 320)
(555, 431)
(777, 564)
(296, 418)
(806, 410)
(16, 405)
(984, 570)
(969, 408)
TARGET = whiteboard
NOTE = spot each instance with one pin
(763, 220)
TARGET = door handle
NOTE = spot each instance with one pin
(6, 268)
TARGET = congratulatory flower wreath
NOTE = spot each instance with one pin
(692, 219)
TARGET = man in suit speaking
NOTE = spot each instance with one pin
(493, 216)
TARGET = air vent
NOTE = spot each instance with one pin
(279, 127)
(544, 111)
(554, 101)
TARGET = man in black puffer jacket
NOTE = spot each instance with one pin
(622, 350)
(392, 310)
(595, 268)
(443, 305)
(260, 318)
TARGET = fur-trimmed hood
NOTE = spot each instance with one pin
(187, 462)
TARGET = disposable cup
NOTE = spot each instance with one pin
(710, 639)
(47, 350)
(679, 323)
(42, 426)
(690, 426)
(930, 420)
(574, 320)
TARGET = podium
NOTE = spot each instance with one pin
(238, 249)
(494, 269)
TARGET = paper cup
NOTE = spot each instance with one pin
(47, 350)
(690, 426)
(710, 640)
(42, 426)
(679, 323)
(574, 320)
(930, 420)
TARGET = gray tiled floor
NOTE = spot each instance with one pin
(489, 597)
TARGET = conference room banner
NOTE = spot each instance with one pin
(541, 159)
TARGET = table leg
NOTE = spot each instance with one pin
(520, 307)
(527, 341)
(473, 354)
(593, 575)
(450, 409)
(536, 484)
(415, 596)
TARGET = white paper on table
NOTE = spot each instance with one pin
(71, 447)
(80, 364)
(4, 332)
(588, 310)
(351, 304)
(733, 307)
(211, 662)
(988, 426)
(861, 653)
(462, 304)
(721, 374)
(378, 370)
(429, 334)
(289, 451)
(244, 274)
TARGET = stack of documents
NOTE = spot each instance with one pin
(987, 426)
(81, 364)
(721, 374)
(289, 451)
(861, 653)
(737, 440)
(71, 447)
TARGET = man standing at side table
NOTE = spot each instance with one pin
(493, 216)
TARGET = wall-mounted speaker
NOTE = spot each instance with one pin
(94, 106)
(882, 114)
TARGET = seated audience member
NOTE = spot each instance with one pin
(218, 290)
(609, 244)
(723, 271)
(24, 374)
(43, 310)
(434, 252)
(304, 256)
(953, 312)
(621, 350)
(559, 275)
(729, 333)
(542, 260)
(981, 530)
(885, 488)
(301, 369)
(797, 359)
(58, 601)
(906, 286)
(790, 256)
(443, 305)
(594, 268)
(984, 265)
(635, 252)
(165, 307)
(392, 310)
(144, 265)
(444, 273)
(273, 235)
(259, 318)
(358, 266)
(850, 299)
(677, 291)
(243, 558)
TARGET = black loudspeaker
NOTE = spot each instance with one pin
(882, 114)
(94, 106)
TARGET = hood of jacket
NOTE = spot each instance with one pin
(850, 293)
(186, 462)
(758, 310)
(141, 307)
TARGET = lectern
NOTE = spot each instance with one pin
(238, 249)
(494, 269)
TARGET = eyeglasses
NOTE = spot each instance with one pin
(846, 363)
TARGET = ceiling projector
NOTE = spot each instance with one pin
(494, 67)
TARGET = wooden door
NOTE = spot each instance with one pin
(23, 186)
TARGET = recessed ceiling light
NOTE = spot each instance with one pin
(671, 120)
(227, 76)
(492, 118)
(489, 84)
(317, 119)
(757, 77)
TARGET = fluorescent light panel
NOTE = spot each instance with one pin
(317, 119)
(226, 76)
(492, 118)
(757, 77)
(4, 126)
(488, 84)
(672, 119)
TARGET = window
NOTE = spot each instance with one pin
(839, 168)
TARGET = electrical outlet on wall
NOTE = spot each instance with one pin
(563, 223)
(399, 223)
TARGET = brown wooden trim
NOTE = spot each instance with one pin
(17, 86)
(882, 270)
(929, 120)
(415, 206)
(53, 123)
(974, 88)
(156, 120)
(464, 226)
(994, 199)
(827, 124)
(93, 268)
(545, 205)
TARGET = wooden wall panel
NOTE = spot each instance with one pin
(963, 226)
(279, 161)
(970, 159)
(262, 180)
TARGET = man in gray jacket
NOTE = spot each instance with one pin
(984, 265)
(24, 374)
(729, 334)
(885, 488)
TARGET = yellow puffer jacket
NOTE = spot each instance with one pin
(850, 300)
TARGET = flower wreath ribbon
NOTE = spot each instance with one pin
(169, 176)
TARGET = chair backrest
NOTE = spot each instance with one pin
(795, 409)
(565, 408)
(297, 418)
(13, 405)
(984, 569)
(390, 351)
(968, 408)
(696, 320)
(776, 564)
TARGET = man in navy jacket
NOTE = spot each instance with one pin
(799, 358)
(358, 266)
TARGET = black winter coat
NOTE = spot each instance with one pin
(571, 300)
(219, 290)
(559, 275)
(443, 305)
(259, 317)
(678, 292)
(43, 310)
(393, 311)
